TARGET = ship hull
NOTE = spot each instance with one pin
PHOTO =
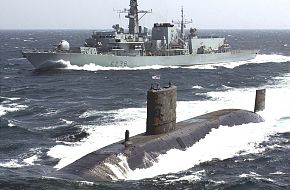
(42, 60)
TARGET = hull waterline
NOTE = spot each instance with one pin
(41, 60)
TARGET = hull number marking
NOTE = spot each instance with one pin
(119, 63)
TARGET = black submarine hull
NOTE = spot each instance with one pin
(142, 149)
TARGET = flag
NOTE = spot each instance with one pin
(156, 77)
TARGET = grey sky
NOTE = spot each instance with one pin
(97, 14)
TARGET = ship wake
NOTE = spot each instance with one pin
(259, 59)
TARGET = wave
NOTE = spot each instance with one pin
(100, 135)
(17, 163)
(278, 173)
(16, 59)
(25, 159)
(255, 176)
(9, 98)
(12, 107)
(260, 59)
(30, 161)
(273, 58)
(196, 176)
(197, 87)
(30, 40)
(11, 164)
(67, 121)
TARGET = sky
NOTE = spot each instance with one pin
(99, 14)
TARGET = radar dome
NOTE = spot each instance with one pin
(63, 45)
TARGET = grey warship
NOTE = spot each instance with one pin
(164, 45)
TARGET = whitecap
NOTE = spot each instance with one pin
(251, 174)
(16, 59)
(196, 176)
(67, 121)
(255, 176)
(11, 164)
(4, 109)
(197, 87)
(278, 173)
(30, 160)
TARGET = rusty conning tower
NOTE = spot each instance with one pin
(161, 110)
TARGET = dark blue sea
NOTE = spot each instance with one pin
(51, 118)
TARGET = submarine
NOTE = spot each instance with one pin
(162, 134)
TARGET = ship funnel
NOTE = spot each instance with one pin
(161, 109)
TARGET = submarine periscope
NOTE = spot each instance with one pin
(162, 134)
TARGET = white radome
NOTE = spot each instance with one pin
(63, 45)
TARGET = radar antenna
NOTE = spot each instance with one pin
(182, 23)
(132, 15)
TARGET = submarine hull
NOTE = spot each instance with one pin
(142, 149)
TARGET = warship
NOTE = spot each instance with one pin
(164, 45)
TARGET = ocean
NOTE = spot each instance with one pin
(51, 118)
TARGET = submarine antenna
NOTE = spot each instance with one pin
(260, 100)
(127, 136)
(127, 141)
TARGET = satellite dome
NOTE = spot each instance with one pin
(63, 45)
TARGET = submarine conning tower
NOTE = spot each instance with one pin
(161, 109)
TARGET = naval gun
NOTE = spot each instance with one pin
(162, 134)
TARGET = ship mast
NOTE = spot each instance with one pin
(182, 23)
(132, 14)
(133, 17)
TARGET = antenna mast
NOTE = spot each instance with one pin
(182, 23)
(132, 14)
